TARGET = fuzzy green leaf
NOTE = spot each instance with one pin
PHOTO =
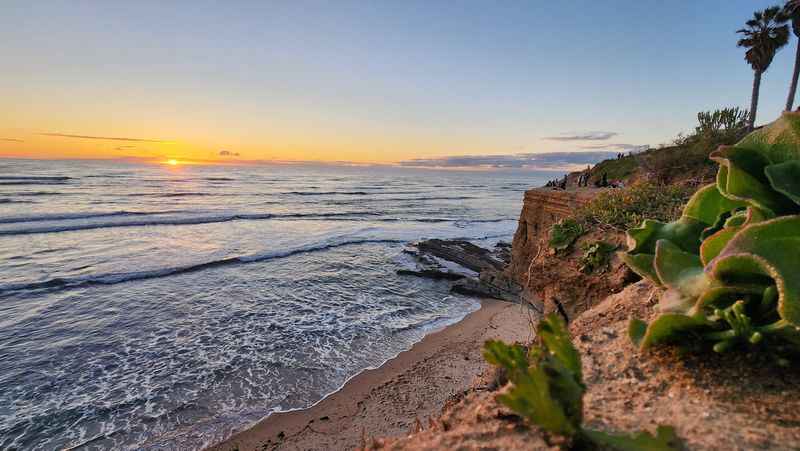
(743, 179)
(785, 178)
(636, 331)
(707, 204)
(664, 440)
(679, 270)
(714, 244)
(769, 249)
(669, 328)
(641, 264)
(684, 233)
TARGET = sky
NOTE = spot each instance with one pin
(413, 82)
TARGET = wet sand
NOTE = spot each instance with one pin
(388, 401)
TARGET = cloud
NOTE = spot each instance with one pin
(15, 140)
(563, 161)
(106, 138)
(228, 153)
(583, 136)
(125, 147)
(619, 147)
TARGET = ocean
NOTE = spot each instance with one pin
(149, 306)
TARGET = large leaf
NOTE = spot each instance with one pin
(743, 179)
(713, 244)
(707, 204)
(723, 296)
(778, 141)
(669, 328)
(678, 270)
(785, 178)
(769, 249)
(641, 264)
(684, 233)
(664, 440)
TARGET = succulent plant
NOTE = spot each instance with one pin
(547, 388)
(730, 265)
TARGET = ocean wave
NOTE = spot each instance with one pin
(143, 219)
(327, 193)
(115, 278)
(173, 221)
(86, 215)
(31, 182)
(36, 193)
(34, 177)
(348, 193)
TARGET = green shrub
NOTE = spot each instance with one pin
(730, 263)
(548, 388)
(596, 256)
(564, 233)
(627, 207)
(689, 156)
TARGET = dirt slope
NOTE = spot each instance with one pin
(715, 402)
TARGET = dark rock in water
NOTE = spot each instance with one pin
(492, 284)
(431, 274)
(482, 269)
(461, 252)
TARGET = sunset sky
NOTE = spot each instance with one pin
(366, 81)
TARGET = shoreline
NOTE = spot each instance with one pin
(391, 399)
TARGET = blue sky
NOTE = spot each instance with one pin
(369, 81)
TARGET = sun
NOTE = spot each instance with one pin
(172, 162)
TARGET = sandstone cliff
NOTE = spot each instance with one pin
(553, 281)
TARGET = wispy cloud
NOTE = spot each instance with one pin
(105, 138)
(620, 147)
(13, 140)
(125, 147)
(543, 161)
(228, 153)
(583, 136)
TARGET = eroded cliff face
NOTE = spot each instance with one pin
(555, 282)
(541, 208)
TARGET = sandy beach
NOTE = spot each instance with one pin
(389, 400)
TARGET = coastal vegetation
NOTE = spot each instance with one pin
(728, 265)
(596, 256)
(564, 233)
(547, 388)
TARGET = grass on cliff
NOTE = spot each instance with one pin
(686, 158)
(628, 207)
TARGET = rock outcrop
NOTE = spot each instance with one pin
(477, 272)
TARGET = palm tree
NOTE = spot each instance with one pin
(791, 11)
(763, 35)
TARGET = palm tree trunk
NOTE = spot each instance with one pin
(793, 86)
(754, 99)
